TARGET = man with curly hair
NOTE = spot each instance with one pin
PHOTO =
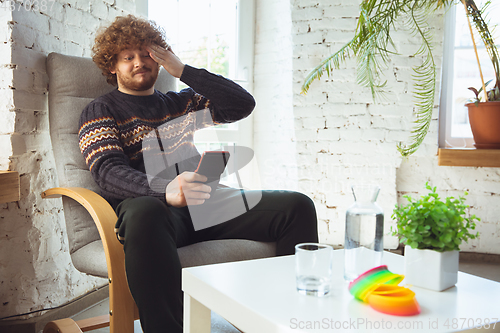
(153, 217)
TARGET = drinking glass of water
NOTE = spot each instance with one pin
(313, 268)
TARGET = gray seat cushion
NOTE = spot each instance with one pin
(91, 259)
(225, 250)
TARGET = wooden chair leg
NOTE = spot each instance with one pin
(94, 323)
(66, 325)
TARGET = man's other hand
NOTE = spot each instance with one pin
(167, 59)
(187, 189)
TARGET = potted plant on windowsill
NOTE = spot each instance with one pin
(372, 46)
(432, 231)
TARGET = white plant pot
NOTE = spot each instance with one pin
(431, 269)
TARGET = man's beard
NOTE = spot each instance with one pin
(131, 84)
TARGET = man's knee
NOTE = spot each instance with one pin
(303, 211)
(145, 205)
(142, 215)
(301, 204)
(303, 200)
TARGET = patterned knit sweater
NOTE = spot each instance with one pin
(117, 131)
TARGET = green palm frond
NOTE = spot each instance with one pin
(326, 65)
(424, 77)
(369, 45)
(480, 23)
(372, 46)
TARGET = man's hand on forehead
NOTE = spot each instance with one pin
(166, 58)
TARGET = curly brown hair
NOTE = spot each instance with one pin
(126, 32)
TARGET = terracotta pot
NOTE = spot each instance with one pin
(485, 124)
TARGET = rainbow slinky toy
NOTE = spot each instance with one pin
(379, 288)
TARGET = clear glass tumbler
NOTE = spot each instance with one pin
(313, 268)
(364, 232)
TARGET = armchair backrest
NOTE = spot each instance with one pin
(73, 83)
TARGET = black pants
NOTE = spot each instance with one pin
(153, 232)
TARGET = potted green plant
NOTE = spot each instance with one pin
(432, 231)
(372, 46)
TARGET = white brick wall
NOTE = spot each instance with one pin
(274, 134)
(35, 267)
(341, 136)
(346, 144)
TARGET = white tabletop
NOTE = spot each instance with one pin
(260, 296)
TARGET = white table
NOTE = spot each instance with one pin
(260, 296)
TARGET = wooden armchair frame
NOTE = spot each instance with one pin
(122, 308)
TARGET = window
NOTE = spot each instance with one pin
(460, 71)
(217, 35)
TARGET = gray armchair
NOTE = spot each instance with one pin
(94, 249)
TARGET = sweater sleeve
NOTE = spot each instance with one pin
(105, 157)
(227, 101)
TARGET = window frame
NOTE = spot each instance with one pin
(445, 140)
(242, 136)
(446, 94)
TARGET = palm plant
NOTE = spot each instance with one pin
(487, 38)
(372, 46)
